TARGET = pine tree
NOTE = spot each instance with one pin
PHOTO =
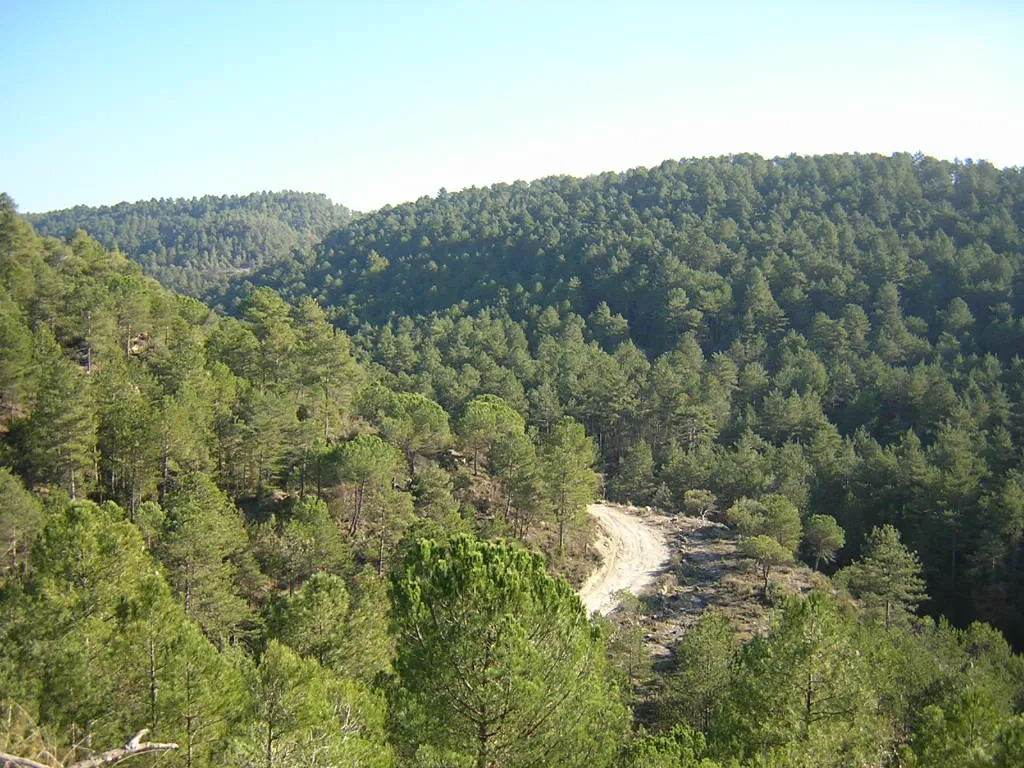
(887, 579)
(635, 479)
(803, 696)
(705, 662)
(485, 419)
(823, 537)
(570, 482)
(767, 554)
(497, 663)
(312, 622)
(201, 545)
(60, 435)
(300, 715)
(21, 517)
(17, 369)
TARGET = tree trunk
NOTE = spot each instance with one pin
(354, 525)
(154, 685)
(482, 748)
(189, 717)
(952, 558)
(327, 415)
(808, 708)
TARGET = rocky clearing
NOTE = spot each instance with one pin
(679, 566)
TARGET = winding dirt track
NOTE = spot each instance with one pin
(632, 554)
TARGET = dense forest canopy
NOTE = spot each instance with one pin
(843, 329)
(191, 245)
(687, 246)
(299, 533)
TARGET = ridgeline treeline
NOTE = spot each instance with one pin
(300, 535)
(193, 245)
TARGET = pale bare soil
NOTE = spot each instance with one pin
(633, 553)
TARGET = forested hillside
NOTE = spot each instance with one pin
(205, 522)
(683, 247)
(192, 245)
(843, 330)
(322, 531)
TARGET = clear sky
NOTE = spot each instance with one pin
(382, 102)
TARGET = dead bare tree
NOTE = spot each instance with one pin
(112, 756)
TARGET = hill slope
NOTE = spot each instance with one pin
(191, 245)
(843, 330)
(688, 246)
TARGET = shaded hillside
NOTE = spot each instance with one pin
(689, 246)
(191, 245)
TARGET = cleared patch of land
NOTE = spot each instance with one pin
(708, 572)
(633, 553)
(679, 567)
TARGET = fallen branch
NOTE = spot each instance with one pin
(134, 747)
(10, 761)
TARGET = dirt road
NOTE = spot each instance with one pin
(632, 553)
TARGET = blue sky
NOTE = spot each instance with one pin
(382, 102)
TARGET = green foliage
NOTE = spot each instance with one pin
(773, 516)
(635, 479)
(60, 435)
(705, 664)
(202, 546)
(192, 245)
(569, 480)
(496, 661)
(700, 502)
(887, 579)
(767, 553)
(433, 499)
(762, 324)
(838, 335)
(410, 420)
(306, 542)
(95, 636)
(380, 512)
(21, 517)
(321, 621)
(300, 715)
(514, 463)
(17, 369)
(960, 732)
(129, 439)
(373, 645)
(803, 694)
(328, 372)
(485, 419)
(823, 538)
(782, 521)
(628, 658)
(312, 621)
(682, 747)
